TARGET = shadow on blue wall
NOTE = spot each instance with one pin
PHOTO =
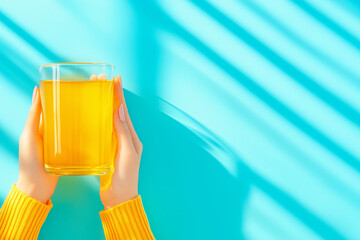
(14, 73)
(13, 64)
(183, 181)
(300, 77)
(8, 143)
(179, 179)
(31, 40)
(268, 99)
(348, 75)
(327, 22)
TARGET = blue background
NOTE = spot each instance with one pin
(249, 111)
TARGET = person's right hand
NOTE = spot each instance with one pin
(121, 184)
(33, 180)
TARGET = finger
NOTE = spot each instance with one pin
(121, 129)
(120, 99)
(125, 144)
(93, 77)
(101, 76)
(33, 120)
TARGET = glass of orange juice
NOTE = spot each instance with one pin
(77, 115)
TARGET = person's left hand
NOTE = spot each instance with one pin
(121, 183)
(33, 180)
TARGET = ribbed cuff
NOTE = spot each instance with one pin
(126, 221)
(21, 216)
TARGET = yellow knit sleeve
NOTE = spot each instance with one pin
(21, 216)
(126, 221)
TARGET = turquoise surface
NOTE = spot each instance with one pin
(249, 111)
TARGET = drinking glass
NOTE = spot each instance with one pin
(77, 115)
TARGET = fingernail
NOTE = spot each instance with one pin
(34, 94)
(121, 113)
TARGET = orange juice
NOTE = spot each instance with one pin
(78, 123)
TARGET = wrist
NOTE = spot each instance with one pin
(112, 200)
(33, 191)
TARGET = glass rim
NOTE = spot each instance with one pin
(75, 63)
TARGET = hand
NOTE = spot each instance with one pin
(33, 180)
(121, 184)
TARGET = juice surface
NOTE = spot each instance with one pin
(78, 123)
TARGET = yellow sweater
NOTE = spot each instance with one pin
(21, 217)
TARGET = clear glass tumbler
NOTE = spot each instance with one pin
(77, 114)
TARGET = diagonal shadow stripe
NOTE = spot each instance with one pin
(293, 206)
(296, 208)
(30, 39)
(259, 92)
(327, 22)
(16, 56)
(8, 143)
(285, 200)
(304, 80)
(299, 41)
(16, 76)
(350, 6)
(287, 146)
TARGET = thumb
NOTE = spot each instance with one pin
(122, 131)
(124, 143)
(33, 120)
